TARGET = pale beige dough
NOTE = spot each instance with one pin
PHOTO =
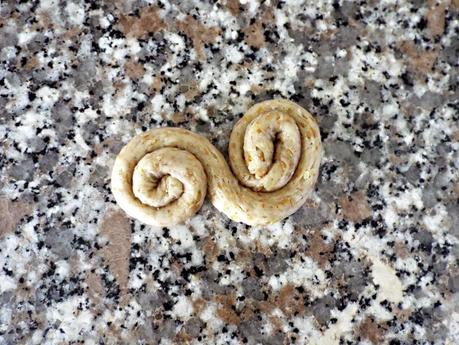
(161, 176)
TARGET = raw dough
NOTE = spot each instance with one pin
(161, 176)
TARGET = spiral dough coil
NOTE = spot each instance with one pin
(161, 176)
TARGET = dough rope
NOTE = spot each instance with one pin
(161, 176)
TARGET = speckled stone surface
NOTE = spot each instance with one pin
(371, 259)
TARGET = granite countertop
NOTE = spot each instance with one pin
(372, 258)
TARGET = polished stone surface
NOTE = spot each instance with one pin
(371, 259)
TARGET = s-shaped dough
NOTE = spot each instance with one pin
(161, 176)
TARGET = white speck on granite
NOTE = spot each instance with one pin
(390, 288)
